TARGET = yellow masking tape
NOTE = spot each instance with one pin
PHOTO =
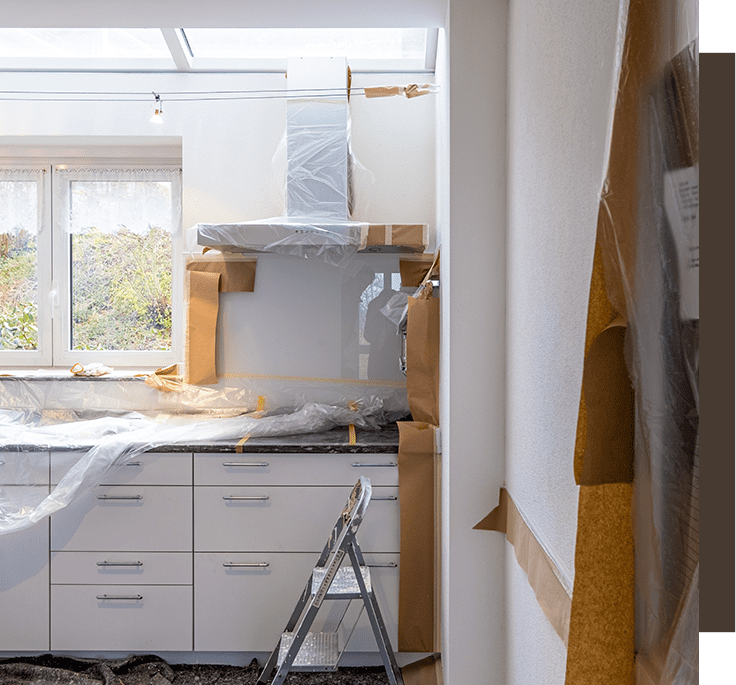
(241, 442)
(261, 402)
(351, 431)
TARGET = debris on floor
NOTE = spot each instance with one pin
(149, 669)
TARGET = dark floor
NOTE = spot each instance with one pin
(152, 670)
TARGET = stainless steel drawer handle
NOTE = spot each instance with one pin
(389, 564)
(245, 498)
(232, 564)
(112, 497)
(360, 465)
(387, 498)
(245, 463)
(120, 563)
(119, 597)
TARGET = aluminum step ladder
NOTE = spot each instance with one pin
(300, 650)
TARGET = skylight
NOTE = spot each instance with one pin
(214, 50)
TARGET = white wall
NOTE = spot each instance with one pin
(473, 227)
(561, 78)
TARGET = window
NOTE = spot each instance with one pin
(87, 268)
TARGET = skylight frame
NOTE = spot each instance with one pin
(181, 60)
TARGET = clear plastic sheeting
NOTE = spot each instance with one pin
(118, 439)
(334, 243)
(649, 239)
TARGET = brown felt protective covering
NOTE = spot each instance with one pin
(601, 640)
(422, 357)
(600, 647)
(540, 569)
(416, 579)
(204, 301)
(235, 276)
(427, 671)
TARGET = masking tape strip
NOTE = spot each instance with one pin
(351, 433)
(241, 442)
(310, 379)
(261, 403)
(542, 573)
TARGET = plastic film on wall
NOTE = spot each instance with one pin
(648, 233)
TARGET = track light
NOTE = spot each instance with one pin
(157, 118)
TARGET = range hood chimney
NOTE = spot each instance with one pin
(317, 215)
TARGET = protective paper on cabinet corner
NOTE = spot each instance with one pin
(118, 439)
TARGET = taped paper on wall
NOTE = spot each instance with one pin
(544, 576)
(202, 328)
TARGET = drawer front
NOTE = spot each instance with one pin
(24, 468)
(245, 608)
(295, 469)
(119, 568)
(131, 618)
(288, 519)
(122, 518)
(145, 469)
(24, 579)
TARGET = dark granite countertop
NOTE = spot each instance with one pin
(335, 441)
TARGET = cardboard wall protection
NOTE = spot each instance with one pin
(422, 356)
(414, 271)
(418, 533)
(236, 276)
(204, 302)
(207, 277)
(427, 671)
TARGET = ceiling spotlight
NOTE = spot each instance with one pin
(157, 118)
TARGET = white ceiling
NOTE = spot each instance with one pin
(223, 13)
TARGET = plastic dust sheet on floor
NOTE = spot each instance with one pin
(118, 439)
(152, 670)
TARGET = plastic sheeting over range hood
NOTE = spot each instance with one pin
(317, 218)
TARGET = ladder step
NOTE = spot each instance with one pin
(319, 651)
(344, 582)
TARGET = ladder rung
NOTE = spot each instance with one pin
(319, 651)
(344, 582)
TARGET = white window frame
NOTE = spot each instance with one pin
(54, 278)
(42, 355)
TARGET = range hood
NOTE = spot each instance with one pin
(318, 180)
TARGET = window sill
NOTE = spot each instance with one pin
(51, 374)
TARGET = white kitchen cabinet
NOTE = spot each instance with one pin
(24, 571)
(121, 559)
(260, 526)
(243, 601)
(121, 617)
(24, 579)
(179, 552)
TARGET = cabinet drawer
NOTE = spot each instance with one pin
(245, 608)
(24, 468)
(24, 579)
(116, 568)
(295, 469)
(122, 518)
(131, 618)
(150, 468)
(288, 519)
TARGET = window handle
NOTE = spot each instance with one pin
(54, 294)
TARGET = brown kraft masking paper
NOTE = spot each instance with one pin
(422, 357)
(541, 571)
(236, 276)
(201, 331)
(426, 671)
(416, 580)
